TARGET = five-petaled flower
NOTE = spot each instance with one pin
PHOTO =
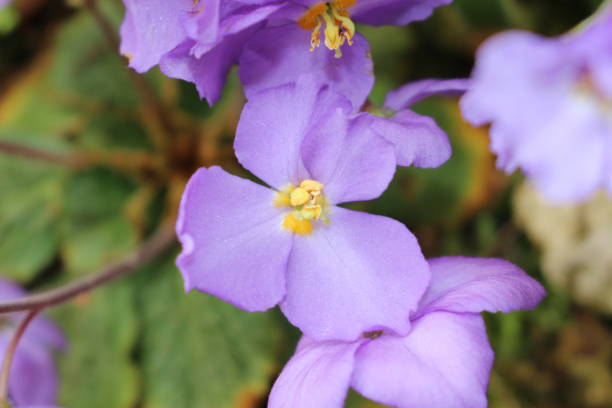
(550, 105)
(334, 272)
(33, 379)
(444, 361)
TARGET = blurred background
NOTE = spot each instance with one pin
(98, 159)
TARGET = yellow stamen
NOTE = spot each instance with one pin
(311, 212)
(282, 198)
(299, 226)
(299, 196)
(308, 205)
(348, 27)
(315, 37)
(332, 32)
(339, 28)
(311, 186)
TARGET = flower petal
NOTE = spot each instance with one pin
(504, 87)
(560, 139)
(210, 70)
(394, 12)
(473, 285)
(576, 166)
(41, 329)
(273, 125)
(46, 332)
(150, 29)
(10, 290)
(317, 375)
(417, 139)
(359, 273)
(233, 243)
(278, 55)
(202, 26)
(349, 158)
(444, 362)
(414, 92)
(33, 377)
(208, 31)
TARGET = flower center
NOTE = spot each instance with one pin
(373, 335)
(338, 26)
(308, 204)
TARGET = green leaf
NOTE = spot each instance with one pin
(30, 112)
(95, 229)
(86, 67)
(96, 370)
(77, 94)
(198, 351)
(106, 130)
(30, 199)
(87, 248)
(28, 243)
(97, 192)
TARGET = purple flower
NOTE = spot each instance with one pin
(418, 140)
(3, 3)
(277, 55)
(550, 105)
(334, 272)
(199, 41)
(444, 361)
(33, 378)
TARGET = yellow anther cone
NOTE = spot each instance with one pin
(301, 227)
(299, 196)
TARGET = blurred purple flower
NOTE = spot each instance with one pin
(199, 41)
(444, 361)
(550, 105)
(33, 378)
(3, 3)
(334, 272)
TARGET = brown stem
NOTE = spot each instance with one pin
(37, 154)
(149, 250)
(121, 160)
(152, 104)
(8, 357)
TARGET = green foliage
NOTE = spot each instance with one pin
(30, 200)
(96, 369)
(9, 18)
(80, 98)
(197, 351)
